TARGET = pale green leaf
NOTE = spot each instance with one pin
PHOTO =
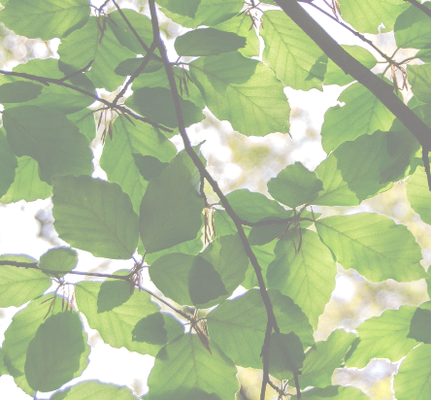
(60, 259)
(367, 15)
(245, 92)
(94, 390)
(185, 367)
(27, 184)
(45, 19)
(120, 326)
(296, 59)
(362, 114)
(384, 337)
(19, 285)
(50, 138)
(207, 42)
(238, 326)
(87, 44)
(419, 195)
(333, 393)
(413, 380)
(412, 28)
(171, 209)
(322, 359)
(96, 216)
(84, 120)
(306, 275)
(54, 354)
(373, 245)
(295, 185)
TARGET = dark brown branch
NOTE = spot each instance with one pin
(420, 6)
(59, 82)
(351, 66)
(272, 322)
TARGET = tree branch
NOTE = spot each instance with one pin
(351, 66)
(272, 322)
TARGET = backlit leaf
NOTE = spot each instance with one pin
(61, 259)
(412, 28)
(94, 390)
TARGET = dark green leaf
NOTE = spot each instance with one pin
(296, 59)
(149, 167)
(419, 77)
(19, 92)
(306, 275)
(171, 208)
(19, 285)
(157, 329)
(384, 337)
(295, 185)
(245, 92)
(54, 354)
(113, 293)
(45, 19)
(157, 104)
(413, 380)
(185, 365)
(96, 216)
(412, 28)
(8, 165)
(260, 235)
(373, 245)
(129, 66)
(420, 324)
(94, 390)
(207, 42)
(60, 259)
(362, 114)
(285, 353)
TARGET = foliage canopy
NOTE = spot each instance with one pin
(153, 210)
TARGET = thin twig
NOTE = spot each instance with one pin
(59, 82)
(272, 322)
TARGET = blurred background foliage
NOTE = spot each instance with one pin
(237, 162)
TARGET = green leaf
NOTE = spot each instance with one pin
(260, 235)
(362, 114)
(207, 42)
(84, 120)
(19, 285)
(157, 104)
(245, 92)
(140, 23)
(384, 337)
(27, 184)
(322, 359)
(54, 354)
(418, 194)
(129, 66)
(352, 173)
(373, 245)
(264, 255)
(202, 280)
(296, 59)
(241, 26)
(238, 326)
(419, 77)
(113, 293)
(307, 275)
(185, 366)
(192, 13)
(22, 331)
(413, 380)
(61, 259)
(87, 44)
(45, 19)
(94, 390)
(171, 208)
(118, 326)
(295, 185)
(285, 353)
(149, 167)
(420, 323)
(8, 165)
(412, 28)
(367, 15)
(50, 138)
(336, 76)
(255, 207)
(96, 216)
(19, 92)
